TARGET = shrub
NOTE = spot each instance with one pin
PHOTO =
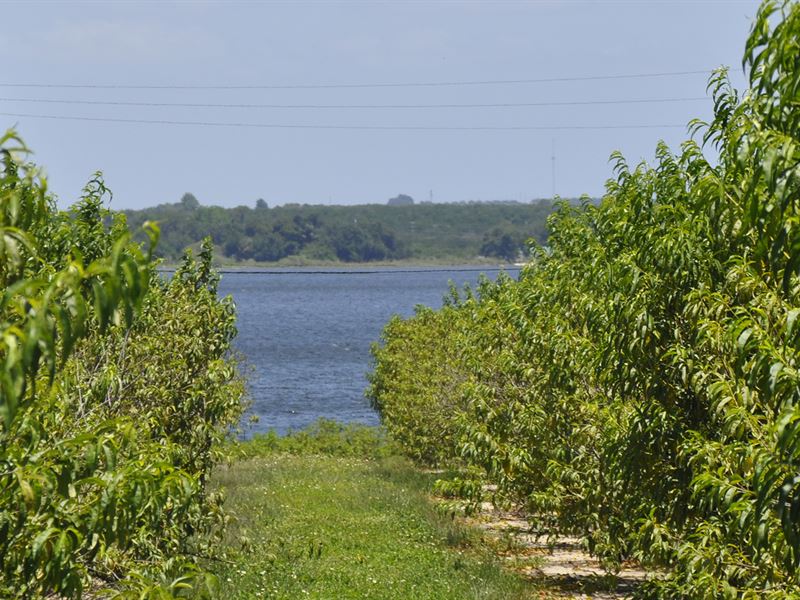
(115, 388)
(639, 385)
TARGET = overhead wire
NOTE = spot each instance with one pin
(342, 127)
(304, 86)
(352, 106)
(359, 106)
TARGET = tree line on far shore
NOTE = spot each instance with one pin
(361, 233)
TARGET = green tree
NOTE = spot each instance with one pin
(189, 202)
(501, 244)
(638, 385)
(116, 388)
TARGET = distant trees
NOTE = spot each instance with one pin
(354, 243)
(189, 201)
(307, 235)
(350, 233)
(503, 244)
(401, 200)
(261, 204)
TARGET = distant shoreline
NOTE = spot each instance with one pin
(334, 266)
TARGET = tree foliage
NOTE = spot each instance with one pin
(400, 200)
(639, 384)
(502, 244)
(352, 233)
(115, 388)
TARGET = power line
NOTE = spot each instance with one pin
(352, 106)
(312, 86)
(342, 127)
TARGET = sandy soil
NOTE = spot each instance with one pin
(559, 564)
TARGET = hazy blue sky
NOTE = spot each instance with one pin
(298, 43)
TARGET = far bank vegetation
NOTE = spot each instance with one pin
(364, 233)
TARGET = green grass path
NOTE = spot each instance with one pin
(311, 525)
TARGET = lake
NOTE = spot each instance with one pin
(306, 333)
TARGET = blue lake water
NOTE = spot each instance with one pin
(306, 333)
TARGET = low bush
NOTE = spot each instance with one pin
(638, 385)
(115, 391)
(325, 437)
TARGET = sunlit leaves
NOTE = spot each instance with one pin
(115, 389)
(640, 384)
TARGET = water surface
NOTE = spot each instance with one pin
(306, 334)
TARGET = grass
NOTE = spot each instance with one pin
(317, 518)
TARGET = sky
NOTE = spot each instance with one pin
(329, 117)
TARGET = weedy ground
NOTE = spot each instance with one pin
(336, 513)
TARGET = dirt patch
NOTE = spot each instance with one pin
(556, 563)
